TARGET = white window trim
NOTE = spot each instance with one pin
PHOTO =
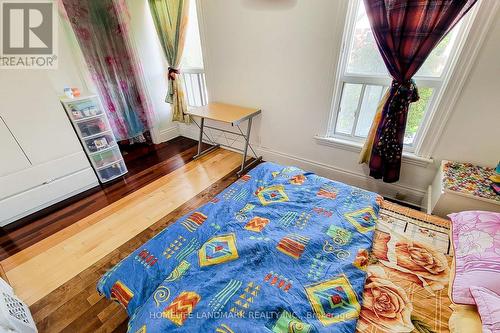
(205, 50)
(354, 146)
(443, 101)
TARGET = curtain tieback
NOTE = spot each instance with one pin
(407, 89)
(172, 72)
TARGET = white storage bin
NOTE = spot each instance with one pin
(15, 315)
(83, 109)
(99, 142)
(92, 126)
(112, 171)
(106, 157)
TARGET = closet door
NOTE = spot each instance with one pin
(11, 152)
(31, 108)
(44, 161)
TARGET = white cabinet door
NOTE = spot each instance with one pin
(31, 108)
(11, 155)
(41, 159)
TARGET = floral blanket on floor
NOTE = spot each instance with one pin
(280, 250)
(407, 285)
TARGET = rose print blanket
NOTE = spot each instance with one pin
(280, 250)
(407, 285)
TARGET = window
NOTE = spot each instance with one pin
(192, 56)
(363, 79)
(193, 73)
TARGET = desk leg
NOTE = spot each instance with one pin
(244, 165)
(200, 139)
(200, 142)
(245, 150)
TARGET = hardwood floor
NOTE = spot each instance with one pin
(76, 306)
(38, 270)
(145, 164)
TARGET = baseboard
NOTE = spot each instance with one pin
(413, 196)
(168, 134)
(188, 132)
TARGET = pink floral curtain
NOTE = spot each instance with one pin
(101, 28)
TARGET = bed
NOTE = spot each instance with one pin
(283, 250)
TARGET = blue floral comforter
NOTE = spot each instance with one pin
(280, 250)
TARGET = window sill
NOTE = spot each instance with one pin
(408, 158)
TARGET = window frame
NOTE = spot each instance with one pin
(438, 84)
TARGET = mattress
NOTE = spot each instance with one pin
(280, 250)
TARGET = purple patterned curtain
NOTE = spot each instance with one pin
(406, 31)
(101, 28)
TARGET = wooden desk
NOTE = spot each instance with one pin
(229, 114)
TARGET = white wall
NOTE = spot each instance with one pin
(282, 55)
(472, 132)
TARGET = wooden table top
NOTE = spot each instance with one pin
(227, 113)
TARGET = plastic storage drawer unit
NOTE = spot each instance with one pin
(91, 124)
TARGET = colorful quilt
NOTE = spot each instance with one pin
(280, 250)
(469, 179)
